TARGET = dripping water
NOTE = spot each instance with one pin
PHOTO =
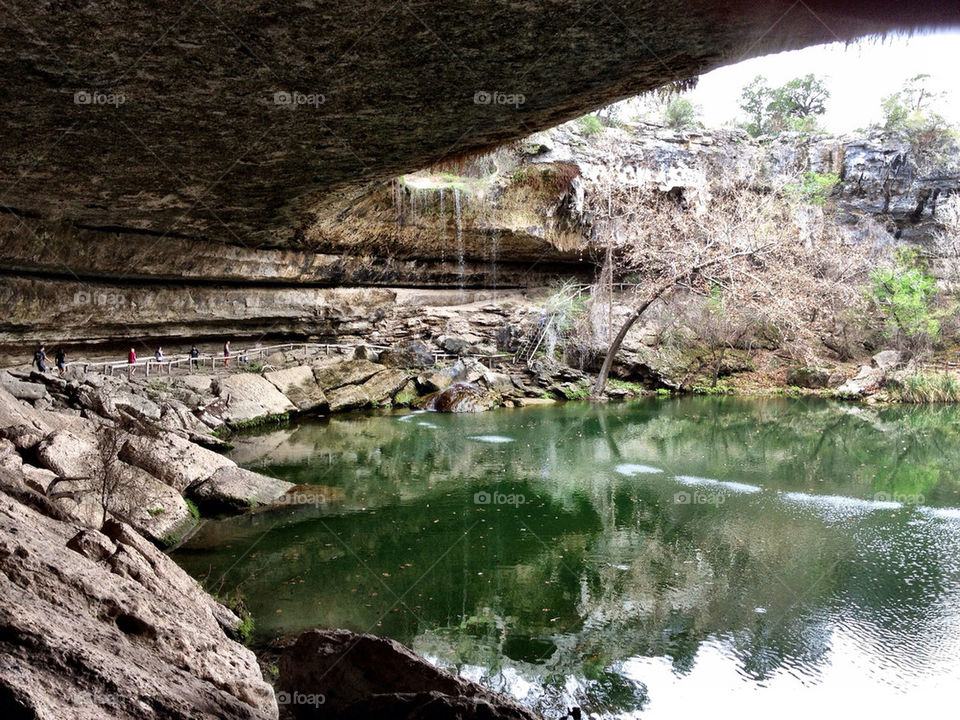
(460, 259)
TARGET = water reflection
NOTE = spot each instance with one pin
(649, 559)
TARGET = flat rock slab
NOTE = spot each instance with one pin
(350, 397)
(156, 510)
(384, 385)
(248, 396)
(170, 458)
(233, 489)
(335, 374)
(200, 384)
(300, 387)
(530, 402)
(24, 390)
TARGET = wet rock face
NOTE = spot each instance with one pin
(460, 397)
(361, 676)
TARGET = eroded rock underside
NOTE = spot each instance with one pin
(229, 121)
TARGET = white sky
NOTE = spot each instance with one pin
(857, 76)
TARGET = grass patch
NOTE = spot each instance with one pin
(234, 602)
(155, 511)
(590, 125)
(278, 419)
(192, 507)
(633, 387)
(927, 387)
(718, 389)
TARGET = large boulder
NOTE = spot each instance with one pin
(462, 371)
(300, 386)
(114, 399)
(501, 382)
(153, 508)
(14, 412)
(247, 397)
(23, 437)
(407, 395)
(104, 625)
(350, 397)
(331, 375)
(887, 360)
(24, 390)
(70, 455)
(808, 377)
(868, 381)
(233, 489)
(384, 385)
(455, 345)
(460, 398)
(359, 676)
(174, 460)
(436, 380)
(414, 356)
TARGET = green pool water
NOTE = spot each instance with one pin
(670, 558)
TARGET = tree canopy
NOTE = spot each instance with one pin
(792, 106)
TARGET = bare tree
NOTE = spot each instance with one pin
(762, 245)
(112, 483)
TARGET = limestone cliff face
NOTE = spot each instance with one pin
(514, 219)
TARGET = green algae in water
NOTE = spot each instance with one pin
(655, 558)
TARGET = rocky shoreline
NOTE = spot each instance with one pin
(98, 474)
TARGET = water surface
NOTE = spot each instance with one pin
(764, 558)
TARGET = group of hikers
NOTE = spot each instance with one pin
(60, 358)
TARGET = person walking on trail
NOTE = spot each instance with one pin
(40, 359)
(194, 357)
(158, 355)
(226, 354)
(132, 361)
(61, 360)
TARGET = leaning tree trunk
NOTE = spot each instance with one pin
(601, 383)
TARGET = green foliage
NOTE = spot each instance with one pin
(635, 388)
(251, 367)
(155, 511)
(590, 125)
(234, 602)
(718, 389)
(680, 113)
(664, 392)
(904, 293)
(909, 115)
(793, 106)
(580, 391)
(192, 507)
(930, 387)
(815, 188)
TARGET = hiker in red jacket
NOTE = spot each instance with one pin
(132, 360)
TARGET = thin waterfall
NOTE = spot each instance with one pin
(494, 251)
(443, 237)
(460, 259)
